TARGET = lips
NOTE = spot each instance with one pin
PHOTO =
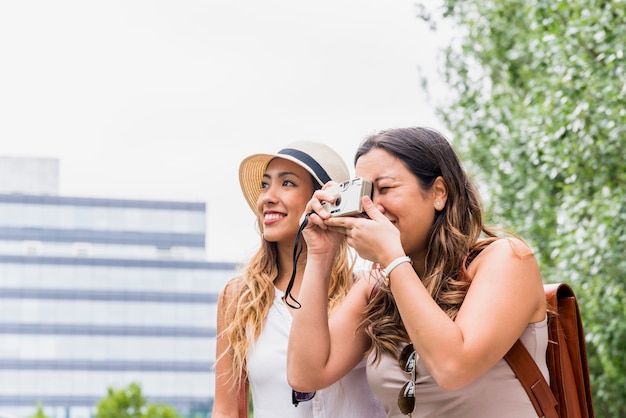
(273, 216)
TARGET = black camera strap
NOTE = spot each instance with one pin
(297, 250)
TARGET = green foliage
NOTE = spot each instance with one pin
(538, 111)
(39, 413)
(130, 403)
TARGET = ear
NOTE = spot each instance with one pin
(440, 193)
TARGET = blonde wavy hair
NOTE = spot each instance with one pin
(457, 231)
(247, 299)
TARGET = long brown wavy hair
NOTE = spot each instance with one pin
(456, 230)
(247, 299)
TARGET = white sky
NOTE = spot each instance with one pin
(148, 99)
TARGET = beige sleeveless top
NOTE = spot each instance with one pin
(496, 394)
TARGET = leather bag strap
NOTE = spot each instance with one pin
(531, 378)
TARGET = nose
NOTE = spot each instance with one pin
(268, 195)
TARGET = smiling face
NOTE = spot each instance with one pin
(286, 188)
(398, 194)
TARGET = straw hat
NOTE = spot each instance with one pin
(319, 159)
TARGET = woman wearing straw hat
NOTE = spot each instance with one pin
(254, 309)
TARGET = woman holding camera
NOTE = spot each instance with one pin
(446, 297)
(254, 317)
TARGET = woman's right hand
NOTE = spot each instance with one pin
(319, 238)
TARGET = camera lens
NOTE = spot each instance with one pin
(338, 201)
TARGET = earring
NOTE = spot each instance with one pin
(437, 204)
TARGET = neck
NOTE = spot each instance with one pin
(285, 267)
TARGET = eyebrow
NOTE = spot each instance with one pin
(282, 174)
(377, 179)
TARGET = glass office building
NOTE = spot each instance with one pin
(98, 293)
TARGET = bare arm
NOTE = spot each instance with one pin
(226, 395)
(321, 351)
(505, 296)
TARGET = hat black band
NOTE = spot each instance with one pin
(309, 162)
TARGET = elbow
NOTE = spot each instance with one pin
(305, 379)
(446, 383)
(300, 383)
(298, 379)
(293, 379)
(453, 376)
(296, 385)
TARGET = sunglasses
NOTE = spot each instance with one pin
(297, 397)
(406, 397)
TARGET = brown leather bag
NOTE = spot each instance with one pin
(569, 392)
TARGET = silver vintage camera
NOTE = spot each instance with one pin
(348, 197)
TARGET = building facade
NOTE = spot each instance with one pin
(98, 293)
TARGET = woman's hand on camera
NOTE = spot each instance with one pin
(319, 238)
(374, 237)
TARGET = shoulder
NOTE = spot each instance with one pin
(509, 247)
(507, 266)
(510, 254)
(233, 286)
(505, 260)
(367, 282)
(366, 277)
(230, 293)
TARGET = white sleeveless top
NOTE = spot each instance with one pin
(350, 397)
(496, 394)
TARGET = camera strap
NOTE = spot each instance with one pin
(297, 250)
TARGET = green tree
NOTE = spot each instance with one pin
(130, 403)
(39, 413)
(537, 107)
